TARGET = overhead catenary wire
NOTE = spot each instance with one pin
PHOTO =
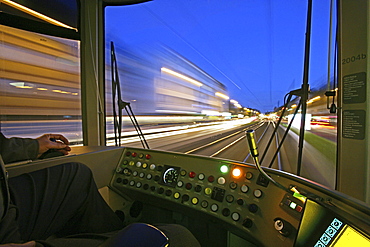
(199, 53)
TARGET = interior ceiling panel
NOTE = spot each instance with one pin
(65, 11)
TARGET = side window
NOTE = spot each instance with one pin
(39, 85)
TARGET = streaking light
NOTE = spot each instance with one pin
(211, 113)
(21, 85)
(184, 77)
(313, 99)
(36, 14)
(297, 121)
(155, 133)
(221, 95)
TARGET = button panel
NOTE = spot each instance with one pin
(214, 188)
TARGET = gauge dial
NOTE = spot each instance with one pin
(170, 176)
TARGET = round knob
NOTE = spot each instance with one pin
(282, 226)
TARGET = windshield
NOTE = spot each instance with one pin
(196, 75)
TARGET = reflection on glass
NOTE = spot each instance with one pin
(39, 84)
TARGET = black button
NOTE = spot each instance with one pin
(198, 188)
(248, 223)
(240, 201)
(226, 212)
(253, 208)
(229, 198)
(185, 198)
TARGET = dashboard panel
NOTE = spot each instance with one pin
(242, 200)
(220, 194)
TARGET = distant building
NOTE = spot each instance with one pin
(162, 81)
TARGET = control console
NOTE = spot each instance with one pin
(234, 193)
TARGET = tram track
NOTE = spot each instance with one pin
(226, 138)
(226, 146)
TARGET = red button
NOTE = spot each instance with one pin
(192, 174)
(298, 208)
(211, 179)
(148, 156)
(188, 186)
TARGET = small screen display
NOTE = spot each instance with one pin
(350, 237)
(320, 227)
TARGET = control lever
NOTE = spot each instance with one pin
(252, 144)
(254, 152)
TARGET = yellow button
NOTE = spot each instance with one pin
(208, 191)
(194, 200)
(176, 195)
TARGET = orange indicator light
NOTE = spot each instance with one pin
(236, 173)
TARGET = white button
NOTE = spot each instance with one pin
(214, 207)
(257, 193)
(235, 216)
(244, 188)
(221, 180)
(180, 183)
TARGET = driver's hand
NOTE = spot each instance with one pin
(53, 141)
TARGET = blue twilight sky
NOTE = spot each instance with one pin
(254, 47)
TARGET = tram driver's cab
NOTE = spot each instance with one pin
(222, 202)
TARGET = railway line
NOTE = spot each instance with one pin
(233, 145)
(222, 139)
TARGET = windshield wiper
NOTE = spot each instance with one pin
(116, 92)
